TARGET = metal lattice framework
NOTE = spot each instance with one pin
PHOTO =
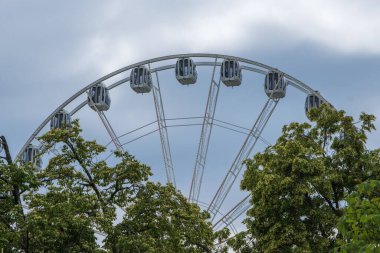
(243, 154)
(207, 122)
(161, 121)
(107, 126)
(204, 140)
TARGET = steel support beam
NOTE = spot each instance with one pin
(204, 140)
(233, 214)
(164, 137)
(107, 126)
(244, 153)
(110, 131)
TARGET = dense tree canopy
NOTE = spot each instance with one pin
(15, 179)
(360, 224)
(62, 207)
(162, 220)
(299, 184)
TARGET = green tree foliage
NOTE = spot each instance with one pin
(298, 185)
(59, 220)
(360, 224)
(62, 207)
(15, 180)
(80, 192)
(162, 220)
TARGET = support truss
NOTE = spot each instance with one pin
(233, 214)
(110, 131)
(204, 139)
(161, 121)
(243, 154)
(107, 125)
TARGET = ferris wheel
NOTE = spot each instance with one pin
(144, 78)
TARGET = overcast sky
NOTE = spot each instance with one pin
(51, 49)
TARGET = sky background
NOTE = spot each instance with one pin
(51, 49)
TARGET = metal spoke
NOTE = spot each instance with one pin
(110, 130)
(130, 132)
(133, 140)
(243, 154)
(243, 205)
(204, 140)
(231, 225)
(247, 132)
(107, 125)
(139, 137)
(169, 169)
(234, 213)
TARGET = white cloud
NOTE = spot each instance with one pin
(344, 26)
(135, 32)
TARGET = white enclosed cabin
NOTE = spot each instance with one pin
(275, 85)
(230, 72)
(185, 71)
(31, 155)
(98, 98)
(141, 80)
(62, 119)
(313, 101)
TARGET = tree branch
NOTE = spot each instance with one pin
(16, 194)
(91, 180)
(4, 179)
(337, 212)
(8, 156)
(336, 200)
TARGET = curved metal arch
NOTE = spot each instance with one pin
(293, 81)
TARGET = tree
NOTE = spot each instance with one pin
(360, 224)
(79, 192)
(298, 185)
(62, 207)
(60, 222)
(162, 220)
(15, 180)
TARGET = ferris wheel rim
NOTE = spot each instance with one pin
(293, 82)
